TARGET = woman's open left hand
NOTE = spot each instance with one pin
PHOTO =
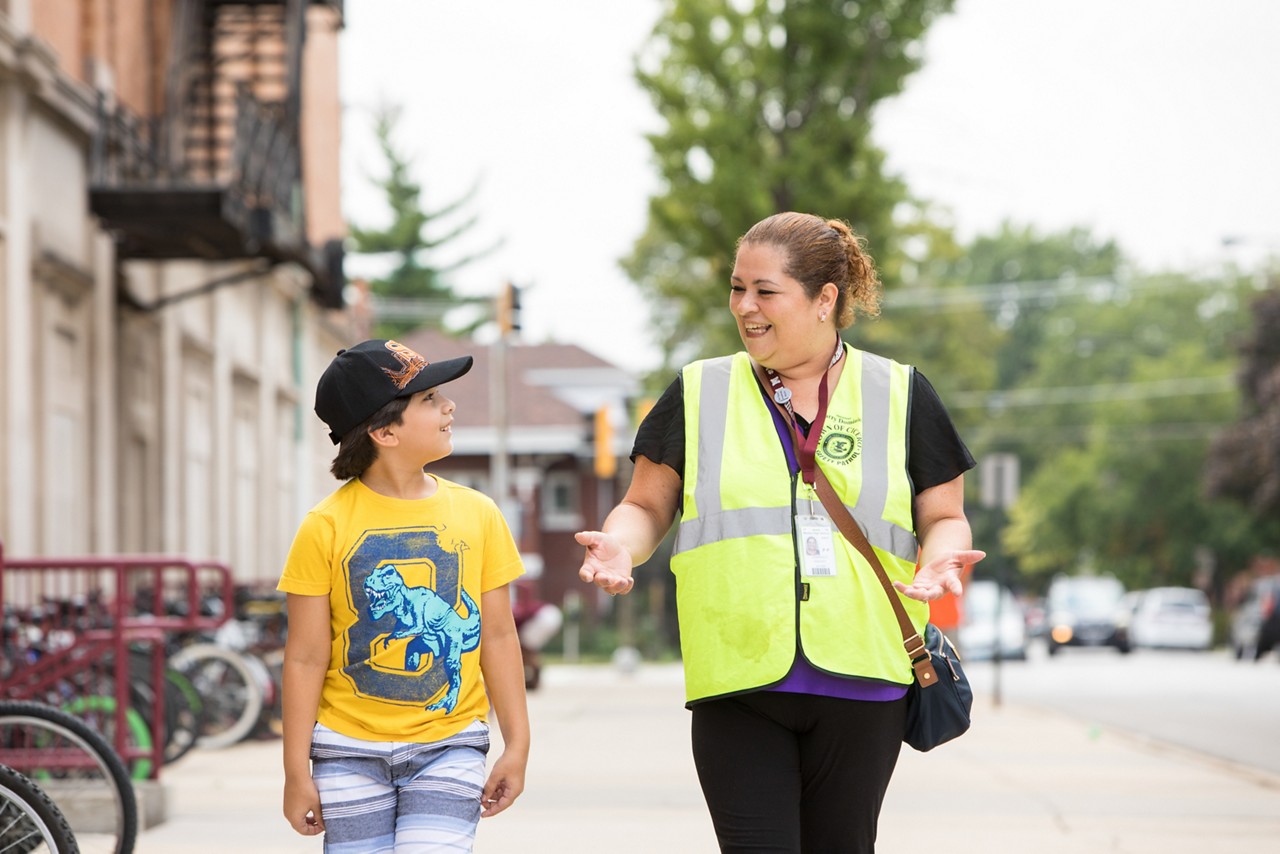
(940, 576)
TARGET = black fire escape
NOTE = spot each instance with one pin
(217, 175)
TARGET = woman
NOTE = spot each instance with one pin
(794, 666)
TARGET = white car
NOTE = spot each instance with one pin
(980, 628)
(1171, 618)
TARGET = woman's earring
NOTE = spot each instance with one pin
(822, 315)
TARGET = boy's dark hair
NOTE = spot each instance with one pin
(357, 451)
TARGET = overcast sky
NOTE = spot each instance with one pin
(1150, 121)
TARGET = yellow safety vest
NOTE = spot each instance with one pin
(740, 594)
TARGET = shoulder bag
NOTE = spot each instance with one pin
(940, 699)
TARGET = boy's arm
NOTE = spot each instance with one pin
(306, 660)
(503, 670)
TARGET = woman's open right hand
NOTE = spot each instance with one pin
(606, 564)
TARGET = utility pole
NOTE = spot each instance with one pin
(998, 481)
(507, 312)
(626, 657)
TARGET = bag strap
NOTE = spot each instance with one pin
(911, 640)
(843, 519)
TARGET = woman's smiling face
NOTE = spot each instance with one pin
(777, 320)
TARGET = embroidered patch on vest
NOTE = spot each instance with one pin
(841, 441)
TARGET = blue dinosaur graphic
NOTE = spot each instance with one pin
(430, 624)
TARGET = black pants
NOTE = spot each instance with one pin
(790, 773)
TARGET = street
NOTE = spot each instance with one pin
(1207, 702)
(611, 771)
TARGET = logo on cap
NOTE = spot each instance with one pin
(412, 362)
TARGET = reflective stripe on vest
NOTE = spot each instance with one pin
(735, 560)
(711, 524)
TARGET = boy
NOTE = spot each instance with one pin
(388, 658)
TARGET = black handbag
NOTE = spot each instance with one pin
(941, 713)
(940, 699)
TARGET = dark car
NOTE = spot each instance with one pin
(1082, 611)
(1255, 623)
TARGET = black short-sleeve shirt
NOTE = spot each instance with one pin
(935, 452)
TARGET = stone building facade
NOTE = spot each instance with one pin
(171, 271)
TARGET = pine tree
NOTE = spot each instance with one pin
(415, 292)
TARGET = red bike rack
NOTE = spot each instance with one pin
(65, 617)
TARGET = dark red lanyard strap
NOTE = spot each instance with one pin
(806, 445)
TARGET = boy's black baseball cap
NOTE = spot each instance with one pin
(363, 379)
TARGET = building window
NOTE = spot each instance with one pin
(560, 502)
(198, 507)
(247, 472)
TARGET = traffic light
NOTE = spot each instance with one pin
(606, 464)
(509, 309)
(642, 409)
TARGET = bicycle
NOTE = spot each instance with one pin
(233, 685)
(235, 671)
(29, 820)
(77, 768)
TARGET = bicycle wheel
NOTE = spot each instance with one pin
(100, 713)
(78, 768)
(188, 717)
(232, 687)
(183, 708)
(29, 820)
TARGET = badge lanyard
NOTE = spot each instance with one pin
(817, 557)
(806, 445)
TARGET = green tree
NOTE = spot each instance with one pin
(1027, 274)
(1120, 399)
(767, 107)
(971, 317)
(415, 292)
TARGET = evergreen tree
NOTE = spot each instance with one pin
(415, 292)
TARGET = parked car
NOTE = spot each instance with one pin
(1082, 610)
(1255, 623)
(982, 631)
(1164, 618)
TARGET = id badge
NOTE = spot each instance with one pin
(817, 549)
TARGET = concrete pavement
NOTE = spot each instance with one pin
(611, 772)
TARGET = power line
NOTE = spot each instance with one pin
(1099, 393)
(1046, 291)
(1113, 433)
(415, 308)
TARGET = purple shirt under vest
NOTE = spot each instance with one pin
(804, 678)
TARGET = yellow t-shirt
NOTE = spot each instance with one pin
(404, 581)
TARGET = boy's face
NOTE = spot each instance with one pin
(425, 429)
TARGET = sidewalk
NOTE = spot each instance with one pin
(611, 772)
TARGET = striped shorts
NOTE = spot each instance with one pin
(398, 797)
